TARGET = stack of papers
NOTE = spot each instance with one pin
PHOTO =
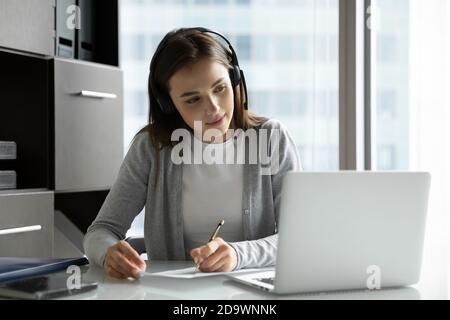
(191, 273)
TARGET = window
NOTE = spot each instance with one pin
(387, 49)
(136, 103)
(284, 48)
(386, 158)
(287, 49)
(261, 48)
(243, 46)
(327, 49)
(386, 104)
(410, 85)
(134, 47)
(301, 48)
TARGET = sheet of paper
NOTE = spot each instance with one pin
(191, 273)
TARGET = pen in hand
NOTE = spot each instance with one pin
(216, 232)
(213, 236)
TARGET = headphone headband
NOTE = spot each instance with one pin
(233, 53)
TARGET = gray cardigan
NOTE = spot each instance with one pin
(163, 227)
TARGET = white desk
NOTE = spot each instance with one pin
(221, 288)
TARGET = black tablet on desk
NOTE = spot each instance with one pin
(48, 286)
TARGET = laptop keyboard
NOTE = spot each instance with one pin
(266, 280)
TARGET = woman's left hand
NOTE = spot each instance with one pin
(215, 256)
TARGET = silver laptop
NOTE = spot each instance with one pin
(347, 230)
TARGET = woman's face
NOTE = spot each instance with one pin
(202, 92)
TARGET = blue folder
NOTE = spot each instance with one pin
(19, 268)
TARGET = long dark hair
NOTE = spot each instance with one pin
(178, 49)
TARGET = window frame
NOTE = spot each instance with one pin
(355, 75)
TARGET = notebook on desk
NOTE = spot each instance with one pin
(18, 268)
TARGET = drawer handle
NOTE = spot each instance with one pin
(20, 230)
(97, 95)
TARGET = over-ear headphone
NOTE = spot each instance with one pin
(236, 74)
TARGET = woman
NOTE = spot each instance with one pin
(196, 87)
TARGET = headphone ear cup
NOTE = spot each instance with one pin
(235, 76)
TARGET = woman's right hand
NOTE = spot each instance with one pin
(122, 261)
